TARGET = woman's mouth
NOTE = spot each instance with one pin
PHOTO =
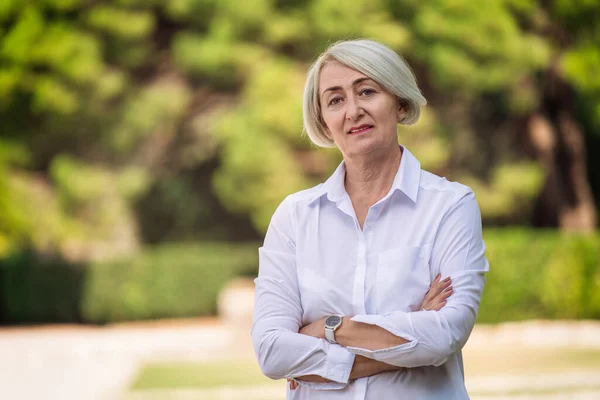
(360, 129)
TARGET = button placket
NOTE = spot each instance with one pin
(358, 294)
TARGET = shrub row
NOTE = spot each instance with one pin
(541, 274)
(173, 280)
(533, 274)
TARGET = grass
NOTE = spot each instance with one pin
(245, 372)
(200, 375)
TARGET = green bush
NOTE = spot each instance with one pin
(540, 274)
(34, 288)
(572, 279)
(168, 281)
(533, 274)
(180, 280)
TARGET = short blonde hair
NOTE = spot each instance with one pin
(376, 61)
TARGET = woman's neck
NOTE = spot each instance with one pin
(369, 179)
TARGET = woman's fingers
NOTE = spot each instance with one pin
(439, 291)
(444, 294)
(447, 292)
(437, 286)
(293, 384)
(440, 300)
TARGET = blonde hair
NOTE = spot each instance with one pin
(376, 61)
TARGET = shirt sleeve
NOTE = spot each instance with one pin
(281, 351)
(434, 336)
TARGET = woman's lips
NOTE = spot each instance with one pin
(360, 130)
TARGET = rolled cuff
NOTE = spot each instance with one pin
(337, 368)
(386, 355)
(323, 385)
(338, 364)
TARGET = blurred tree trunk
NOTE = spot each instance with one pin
(566, 199)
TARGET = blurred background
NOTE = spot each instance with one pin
(144, 145)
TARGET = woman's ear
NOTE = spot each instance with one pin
(402, 110)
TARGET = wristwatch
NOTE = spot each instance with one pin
(331, 324)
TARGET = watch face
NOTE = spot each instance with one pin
(332, 321)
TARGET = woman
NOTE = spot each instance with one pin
(346, 265)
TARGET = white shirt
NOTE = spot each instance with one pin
(316, 261)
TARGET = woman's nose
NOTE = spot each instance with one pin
(353, 109)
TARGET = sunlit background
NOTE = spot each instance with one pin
(144, 145)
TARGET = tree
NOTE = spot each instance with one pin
(127, 121)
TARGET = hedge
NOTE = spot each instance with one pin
(533, 274)
(541, 274)
(173, 280)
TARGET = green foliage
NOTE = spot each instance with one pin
(580, 62)
(540, 274)
(570, 287)
(34, 210)
(18, 43)
(156, 108)
(425, 141)
(112, 98)
(169, 281)
(205, 57)
(7, 8)
(51, 95)
(505, 192)
(13, 225)
(474, 48)
(34, 288)
(122, 23)
(366, 18)
(257, 171)
(533, 274)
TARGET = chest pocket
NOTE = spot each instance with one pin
(403, 278)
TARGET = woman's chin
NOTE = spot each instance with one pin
(363, 148)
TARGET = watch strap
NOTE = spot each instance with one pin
(330, 335)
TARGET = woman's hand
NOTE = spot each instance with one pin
(315, 329)
(307, 378)
(435, 299)
(361, 368)
(439, 291)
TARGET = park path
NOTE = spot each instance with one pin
(96, 363)
(99, 363)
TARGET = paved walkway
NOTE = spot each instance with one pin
(95, 363)
(100, 363)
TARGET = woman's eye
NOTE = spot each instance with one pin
(367, 92)
(334, 101)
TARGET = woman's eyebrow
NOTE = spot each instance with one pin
(355, 83)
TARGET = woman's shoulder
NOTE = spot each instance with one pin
(434, 183)
(306, 195)
(287, 211)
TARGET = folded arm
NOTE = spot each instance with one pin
(414, 339)
(282, 352)
(373, 337)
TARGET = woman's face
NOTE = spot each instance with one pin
(361, 117)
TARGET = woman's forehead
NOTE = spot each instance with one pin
(335, 74)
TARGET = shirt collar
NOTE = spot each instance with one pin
(407, 179)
